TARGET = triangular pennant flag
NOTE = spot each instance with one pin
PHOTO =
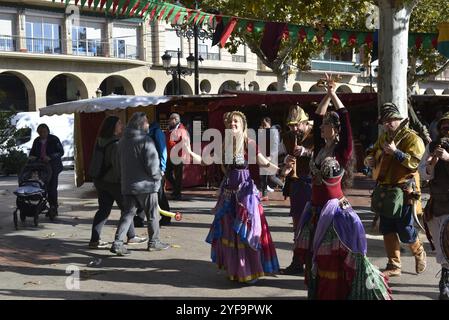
(418, 41)
(443, 39)
(125, 6)
(132, 4)
(302, 35)
(352, 40)
(96, 2)
(76, 2)
(218, 30)
(360, 38)
(310, 34)
(115, 6)
(174, 16)
(228, 30)
(89, 3)
(144, 10)
(293, 32)
(249, 26)
(200, 20)
(102, 3)
(259, 26)
(108, 5)
(435, 42)
(327, 36)
(271, 39)
(241, 25)
(427, 42)
(411, 40)
(344, 38)
(168, 11)
(67, 2)
(83, 2)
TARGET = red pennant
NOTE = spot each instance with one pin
(418, 42)
(125, 6)
(435, 42)
(102, 3)
(319, 39)
(250, 27)
(189, 13)
(352, 40)
(302, 34)
(335, 38)
(228, 30)
(153, 12)
(196, 17)
(369, 40)
(76, 2)
(178, 15)
(134, 8)
(89, 3)
(144, 9)
(114, 6)
(161, 14)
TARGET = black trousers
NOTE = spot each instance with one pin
(173, 174)
(52, 189)
(107, 194)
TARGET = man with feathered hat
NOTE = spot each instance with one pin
(395, 158)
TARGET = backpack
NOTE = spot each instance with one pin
(97, 169)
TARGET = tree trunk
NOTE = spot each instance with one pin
(282, 82)
(393, 47)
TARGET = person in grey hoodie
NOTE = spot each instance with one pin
(108, 184)
(140, 182)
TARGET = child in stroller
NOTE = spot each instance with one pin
(32, 192)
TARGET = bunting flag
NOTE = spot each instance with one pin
(271, 40)
(443, 39)
(154, 10)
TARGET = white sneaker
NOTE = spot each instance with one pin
(269, 189)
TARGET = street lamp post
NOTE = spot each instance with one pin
(177, 71)
(196, 34)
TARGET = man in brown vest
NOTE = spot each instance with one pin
(298, 145)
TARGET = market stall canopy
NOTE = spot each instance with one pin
(114, 102)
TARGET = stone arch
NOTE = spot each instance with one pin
(228, 85)
(430, 91)
(344, 89)
(316, 88)
(296, 87)
(273, 87)
(117, 85)
(205, 86)
(16, 90)
(255, 86)
(65, 87)
(185, 88)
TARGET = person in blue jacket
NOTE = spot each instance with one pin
(158, 136)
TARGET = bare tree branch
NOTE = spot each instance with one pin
(424, 76)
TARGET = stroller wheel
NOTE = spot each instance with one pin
(36, 219)
(16, 224)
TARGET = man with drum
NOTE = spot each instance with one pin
(434, 166)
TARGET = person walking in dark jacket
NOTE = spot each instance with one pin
(108, 183)
(48, 148)
(140, 182)
(158, 136)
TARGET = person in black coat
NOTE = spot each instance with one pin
(48, 148)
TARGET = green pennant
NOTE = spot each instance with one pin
(159, 10)
(96, 3)
(360, 38)
(327, 37)
(200, 17)
(259, 26)
(293, 31)
(108, 5)
(427, 41)
(139, 9)
(310, 34)
(182, 16)
(131, 5)
(175, 12)
(83, 2)
(120, 6)
(241, 25)
(411, 40)
(168, 8)
(67, 2)
(344, 36)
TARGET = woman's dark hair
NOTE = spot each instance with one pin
(43, 126)
(108, 127)
(267, 120)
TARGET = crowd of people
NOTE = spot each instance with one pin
(329, 241)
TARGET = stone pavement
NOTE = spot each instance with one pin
(36, 262)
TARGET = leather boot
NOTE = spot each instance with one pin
(392, 247)
(296, 267)
(444, 284)
(420, 256)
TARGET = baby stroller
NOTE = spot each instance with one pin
(32, 192)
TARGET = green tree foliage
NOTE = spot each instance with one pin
(332, 14)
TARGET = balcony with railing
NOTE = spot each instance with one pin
(238, 58)
(7, 43)
(334, 66)
(79, 47)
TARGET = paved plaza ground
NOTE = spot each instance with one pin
(35, 262)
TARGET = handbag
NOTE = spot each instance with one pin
(387, 201)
